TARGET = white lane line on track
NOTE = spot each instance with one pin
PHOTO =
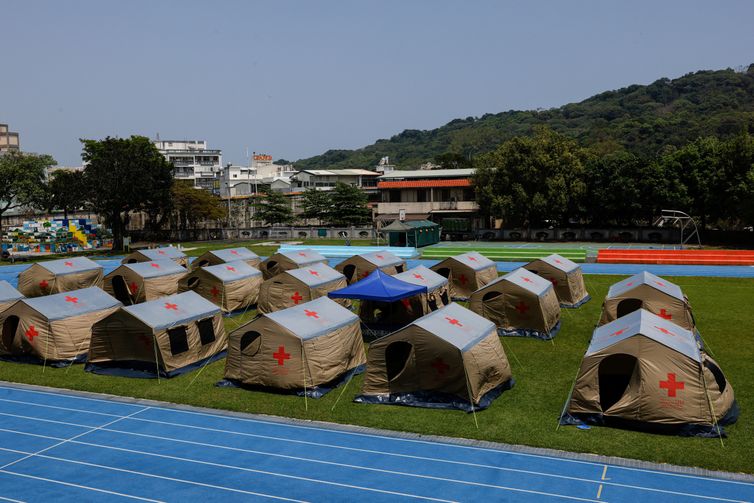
(368, 435)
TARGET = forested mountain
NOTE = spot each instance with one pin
(640, 119)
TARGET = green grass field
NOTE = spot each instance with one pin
(505, 253)
(527, 414)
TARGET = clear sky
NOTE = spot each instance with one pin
(295, 78)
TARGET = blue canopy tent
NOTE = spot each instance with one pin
(384, 300)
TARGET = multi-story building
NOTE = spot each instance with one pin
(262, 173)
(193, 161)
(8, 140)
(325, 179)
(444, 196)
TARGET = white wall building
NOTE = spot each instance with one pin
(193, 161)
(245, 180)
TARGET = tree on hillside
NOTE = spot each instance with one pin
(348, 206)
(191, 205)
(66, 191)
(273, 208)
(528, 180)
(452, 160)
(22, 180)
(124, 175)
(316, 204)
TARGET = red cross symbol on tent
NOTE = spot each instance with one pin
(155, 265)
(558, 261)
(230, 268)
(659, 283)
(281, 355)
(133, 288)
(365, 274)
(665, 315)
(440, 366)
(524, 278)
(311, 314)
(407, 304)
(521, 307)
(313, 272)
(463, 279)
(453, 321)
(68, 264)
(380, 257)
(418, 276)
(215, 292)
(296, 297)
(74, 300)
(665, 331)
(168, 305)
(161, 252)
(630, 284)
(472, 258)
(302, 254)
(617, 332)
(43, 284)
(31, 333)
(671, 385)
(234, 252)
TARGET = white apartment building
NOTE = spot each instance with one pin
(193, 161)
(246, 180)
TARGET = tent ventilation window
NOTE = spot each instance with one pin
(193, 282)
(432, 304)
(271, 265)
(628, 306)
(121, 290)
(9, 331)
(615, 374)
(251, 341)
(132, 261)
(719, 377)
(348, 271)
(206, 331)
(490, 296)
(534, 271)
(396, 357)
(444, 271)
(203, 263)
(399, 268)
(178, 340)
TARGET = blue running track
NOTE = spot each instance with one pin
(60, 446)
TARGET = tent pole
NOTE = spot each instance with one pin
(468, 390)
(711, 406)
(568, 398)
(303, 369)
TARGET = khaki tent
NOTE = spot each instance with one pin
(520, 303)
(644, 371)
(287, 260)
(63, 275)
(149, 255)
(164, 337)
(467, 273)
(230, 285)
(144, 281)
(565, 275)
(54, 328)
(647, 291)
(408, 309)
(214, 257)
(360, 266)
(297, 286)
(8, 295)
(307, 348)
(451, 358)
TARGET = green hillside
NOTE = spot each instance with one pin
(641, 119)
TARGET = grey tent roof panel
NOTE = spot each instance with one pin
(457, 325)
(381, 258)
(69, 265)
(525, 279)
(169, 252)
(642, 322)
(421, 275)
(560, 262)
(474, 260)
(173, 310)
(645, 278)
(156, 268)
(303, 257)
(8, 293)
(233, 254)
(73, 303)
(232, 271)
(313, 319)
(315, 274)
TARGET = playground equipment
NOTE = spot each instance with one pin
(56, 236)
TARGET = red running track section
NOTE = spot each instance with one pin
(695, 257)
